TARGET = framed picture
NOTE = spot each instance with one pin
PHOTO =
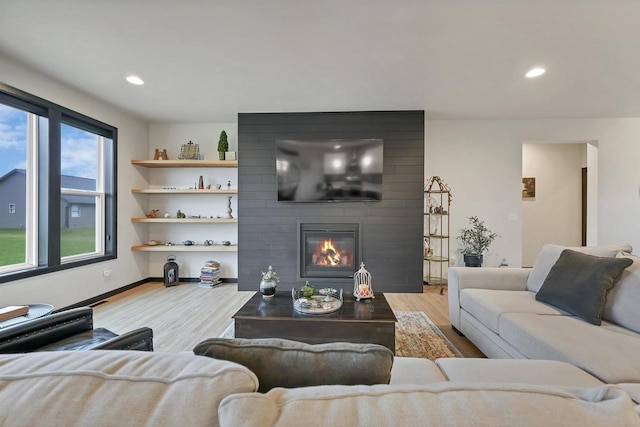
(528, 188)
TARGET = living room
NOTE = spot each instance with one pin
(461, 65)
(483, 148)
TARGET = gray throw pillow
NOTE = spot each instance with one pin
(578, 283)
(285, 363)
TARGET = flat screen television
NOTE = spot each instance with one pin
(330, 170)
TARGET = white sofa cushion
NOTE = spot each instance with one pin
(440, 404)
(116, 388)
(550, 253)
(413, 370)
(623, 301)
(488, 305)
(539, 372)
(603, 351)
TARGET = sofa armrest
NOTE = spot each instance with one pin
(506, 279)
(33, 334)
(139, 339)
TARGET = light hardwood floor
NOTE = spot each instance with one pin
(182, 316)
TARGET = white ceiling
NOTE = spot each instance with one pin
(205, 61)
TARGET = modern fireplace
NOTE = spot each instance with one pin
(328, 250)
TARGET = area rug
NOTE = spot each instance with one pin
(416, 336)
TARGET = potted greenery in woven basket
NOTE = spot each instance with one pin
(474, 241)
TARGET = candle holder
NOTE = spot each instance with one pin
(362, 284)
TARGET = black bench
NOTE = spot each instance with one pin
(70, 330)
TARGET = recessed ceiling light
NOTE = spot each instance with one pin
(535, 72)
(135, 80)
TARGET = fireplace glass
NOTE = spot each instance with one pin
(329, 250)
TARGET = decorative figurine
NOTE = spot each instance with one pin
(229, 207)
(200, 183)
(189, 151)
(166, 215)
(153, 213)
(180, 214)
(228, 185)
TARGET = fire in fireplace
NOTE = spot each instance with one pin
(332, 255)
(328, 250)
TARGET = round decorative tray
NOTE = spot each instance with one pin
(324, 303)
(35, 311)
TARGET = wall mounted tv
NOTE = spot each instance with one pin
(330, 170)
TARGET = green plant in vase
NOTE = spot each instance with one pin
(268, 284)
(223, 145)
(307, 290)
(474, 241)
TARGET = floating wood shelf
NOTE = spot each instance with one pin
(184, 220)
(181, 191)
(186, 163)
(182, 248)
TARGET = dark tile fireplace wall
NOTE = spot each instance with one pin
(391, 229)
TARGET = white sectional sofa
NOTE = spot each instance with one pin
(496, 308)
(128, 388)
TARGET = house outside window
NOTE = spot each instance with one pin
(75, 211)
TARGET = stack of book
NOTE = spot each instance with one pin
(210, 274)
(12, 311)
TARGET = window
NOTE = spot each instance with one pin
(75, 211)
(59, 167)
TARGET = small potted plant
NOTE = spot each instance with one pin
(223, 145)
(474, 241)
(268, 283)
(307, 290)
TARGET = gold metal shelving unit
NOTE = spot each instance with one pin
(437, 203)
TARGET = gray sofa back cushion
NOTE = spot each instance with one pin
(285, 363)
(578, 283)
(623, 301)
(550, 253)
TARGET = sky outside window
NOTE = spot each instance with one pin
(13, 139)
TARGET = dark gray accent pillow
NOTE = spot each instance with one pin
(285, 363)
(578, 283)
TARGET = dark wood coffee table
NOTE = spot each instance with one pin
(370, 321)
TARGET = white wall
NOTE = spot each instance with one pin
(481, 160)
(554, 215)
(171, 137)
(74, 285)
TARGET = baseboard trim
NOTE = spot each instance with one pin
(99, 298)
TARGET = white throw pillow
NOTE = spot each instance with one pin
(623, 301)
(551, 252)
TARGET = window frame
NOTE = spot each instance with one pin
(43, 216)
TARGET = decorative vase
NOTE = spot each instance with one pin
(472, 260)
(267, 289)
